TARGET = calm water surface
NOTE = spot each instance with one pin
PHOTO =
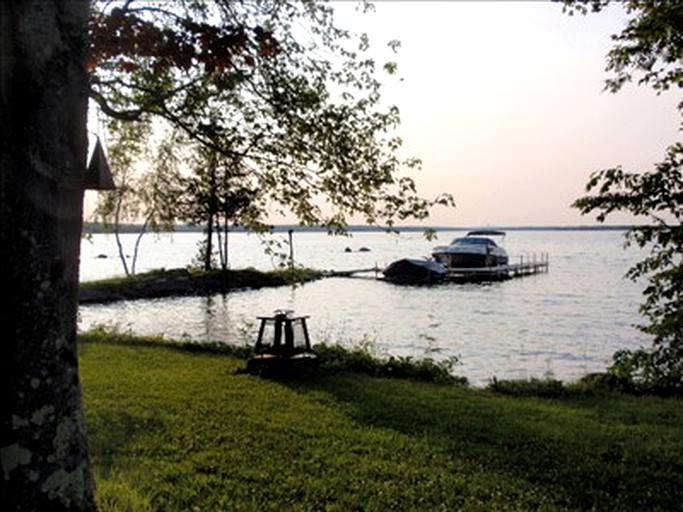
(568, 322)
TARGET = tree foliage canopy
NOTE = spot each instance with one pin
(148, 182)
(650, 48)
(276, 85)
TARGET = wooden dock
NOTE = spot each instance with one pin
(352, 273)
(528, 265)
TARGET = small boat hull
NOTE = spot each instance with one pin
(470, 260)
(415, 271)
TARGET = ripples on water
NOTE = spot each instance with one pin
(568, 322)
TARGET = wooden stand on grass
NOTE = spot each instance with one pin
(282, 346)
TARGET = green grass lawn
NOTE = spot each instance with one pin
(172, 429)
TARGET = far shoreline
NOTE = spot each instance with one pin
(96, 228)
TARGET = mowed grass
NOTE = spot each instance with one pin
(171, 430)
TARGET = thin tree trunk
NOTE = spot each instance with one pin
(219, 239)
(43, 142)
(209, 243)
(136, 249)
(212, 214)
(122, 253)
(226, 230)
(117, 233)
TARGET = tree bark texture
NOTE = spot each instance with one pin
(43, 141)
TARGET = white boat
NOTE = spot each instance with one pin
(476, 250)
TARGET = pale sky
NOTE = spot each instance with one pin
(504, 104)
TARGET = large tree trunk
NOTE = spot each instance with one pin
(43, 110)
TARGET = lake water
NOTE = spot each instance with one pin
(567, 322)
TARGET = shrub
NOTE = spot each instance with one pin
(547, 387)
(656, 372)
(361, 360)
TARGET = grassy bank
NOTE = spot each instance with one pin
(179, 282)
(174, 429)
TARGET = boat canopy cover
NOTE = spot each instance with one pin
(410, 264)
(414, 271)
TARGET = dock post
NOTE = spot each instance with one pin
(291, 248)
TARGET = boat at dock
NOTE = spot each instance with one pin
(477, 249)
(476, 257)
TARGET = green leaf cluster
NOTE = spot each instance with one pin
(361, 360)
(295, 102)
(650, 47)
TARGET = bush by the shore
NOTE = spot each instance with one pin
(330, 358)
